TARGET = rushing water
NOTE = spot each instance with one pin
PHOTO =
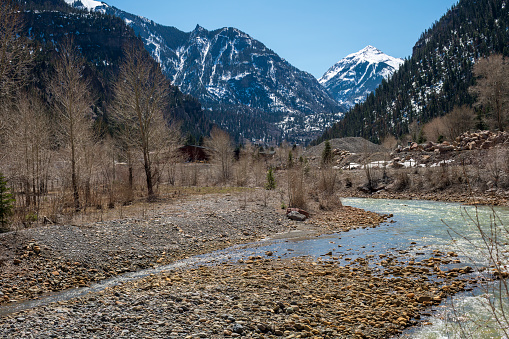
(417, 228)
(449, 226)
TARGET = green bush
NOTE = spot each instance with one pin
(6, 204)
(271, 181)
(327, 153)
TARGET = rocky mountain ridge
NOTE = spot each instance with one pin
(229, 71)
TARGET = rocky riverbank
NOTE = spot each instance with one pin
(57, 257)
(259, 297)
(464, 198)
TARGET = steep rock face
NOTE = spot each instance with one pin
(233, 68)
(351, 79)
(229, 71)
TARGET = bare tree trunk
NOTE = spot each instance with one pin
(130, 179)
(141, 94)
(74, 179)
(72, 102)
(148, 174)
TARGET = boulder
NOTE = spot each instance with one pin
(294, 215)
(487, 145)
(301, 211)
(444, 148)
(237, 328)
(396, 164)
(424, 298)
(366, 188)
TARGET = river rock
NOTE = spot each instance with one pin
(301, 211)
(238, 328)
(424, 298)
(294, 215)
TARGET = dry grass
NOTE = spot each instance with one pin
(297, 194)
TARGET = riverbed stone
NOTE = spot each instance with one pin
(294, 215)
(327, 298)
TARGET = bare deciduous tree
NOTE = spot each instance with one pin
(492, 88)
(458, 121)
(221, 149)
(389, 141)
(16, 57)
(29, 147)
(141, 94)
(72, 102)
(16, 54)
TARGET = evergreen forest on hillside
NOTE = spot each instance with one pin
(437, 76)
(100, 39)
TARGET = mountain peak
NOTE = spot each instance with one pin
(199, 28)
(358, 74)
(373, 55)
(370, 48)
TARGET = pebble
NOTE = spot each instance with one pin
(217, 301)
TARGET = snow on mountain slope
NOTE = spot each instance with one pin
(351, 79)
(229, 71)
(237, 79)
(88, 4)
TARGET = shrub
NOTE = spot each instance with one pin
(296, 189)
(402, 181)
(6, 204)
(271, 181)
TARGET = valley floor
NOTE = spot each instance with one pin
(258, 297)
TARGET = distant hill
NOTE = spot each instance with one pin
(437, 76)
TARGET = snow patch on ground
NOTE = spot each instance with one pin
(218, 92)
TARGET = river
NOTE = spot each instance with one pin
(417, 228)
(451, 227)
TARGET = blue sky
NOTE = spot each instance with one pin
(311, 34)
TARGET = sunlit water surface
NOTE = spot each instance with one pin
(453, 227)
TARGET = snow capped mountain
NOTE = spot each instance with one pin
(229, 67)
(229, 71)
(91, 5)
(351, 79)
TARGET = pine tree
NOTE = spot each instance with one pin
(271, 181)
(6, 204)
(327, 153)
